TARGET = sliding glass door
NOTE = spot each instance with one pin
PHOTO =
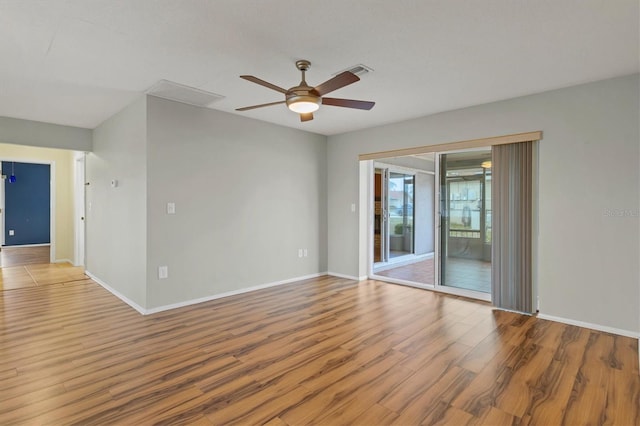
(400, 208)
(465, 220)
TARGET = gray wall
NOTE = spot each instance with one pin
(248, 195)
(36, 133)
(116, 218)
(589, 161)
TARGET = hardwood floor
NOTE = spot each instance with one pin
(18, 256)
(324, 351)
(38, 275)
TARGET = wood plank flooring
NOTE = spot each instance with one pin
(38, 275)
(18, 256)
(325, 351)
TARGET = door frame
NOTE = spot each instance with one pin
(2, 211)
(52, 199)
(79, 217)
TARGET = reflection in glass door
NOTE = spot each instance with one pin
(465, 214)
(400, 208)
(393, 215)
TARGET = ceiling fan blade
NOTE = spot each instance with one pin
(259, 106)
(307, 116)
(263, 83)
(348, 103)
(343, 79)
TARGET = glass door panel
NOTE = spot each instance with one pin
(400, 208)
(465, 228)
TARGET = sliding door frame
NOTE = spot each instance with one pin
(387, 169)
(367, 163)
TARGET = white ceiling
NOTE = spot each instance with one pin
(77, 62)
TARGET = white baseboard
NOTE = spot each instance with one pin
(116, 293)
(597, 327)
(145, 311)
(63, 261)
(230, 293)
(348, 277)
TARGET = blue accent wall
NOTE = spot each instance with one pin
(27, 203)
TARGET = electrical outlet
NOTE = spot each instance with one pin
(171, 208)
(12, 232)
(163, 272)
(299, 252)
(305, 252)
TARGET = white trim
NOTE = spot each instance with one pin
(116, 293)
(347, 277)
(79, 208)
(230, 293)
(144, 311)
(453, 291)
(52, 211)
(64, 261)
(591, 326)
(455, 146)
(2, 209)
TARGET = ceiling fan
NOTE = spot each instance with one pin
(304, 99)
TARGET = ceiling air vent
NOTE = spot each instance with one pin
(181, 93)
(358, 70)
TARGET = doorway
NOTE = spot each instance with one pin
(26, 208)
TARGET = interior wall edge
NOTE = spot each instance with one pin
(44, 135)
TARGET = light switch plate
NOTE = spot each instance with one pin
(163, 272)
(171, 208)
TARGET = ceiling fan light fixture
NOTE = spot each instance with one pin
(303, 104)
(486, 164)
(304, 99)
